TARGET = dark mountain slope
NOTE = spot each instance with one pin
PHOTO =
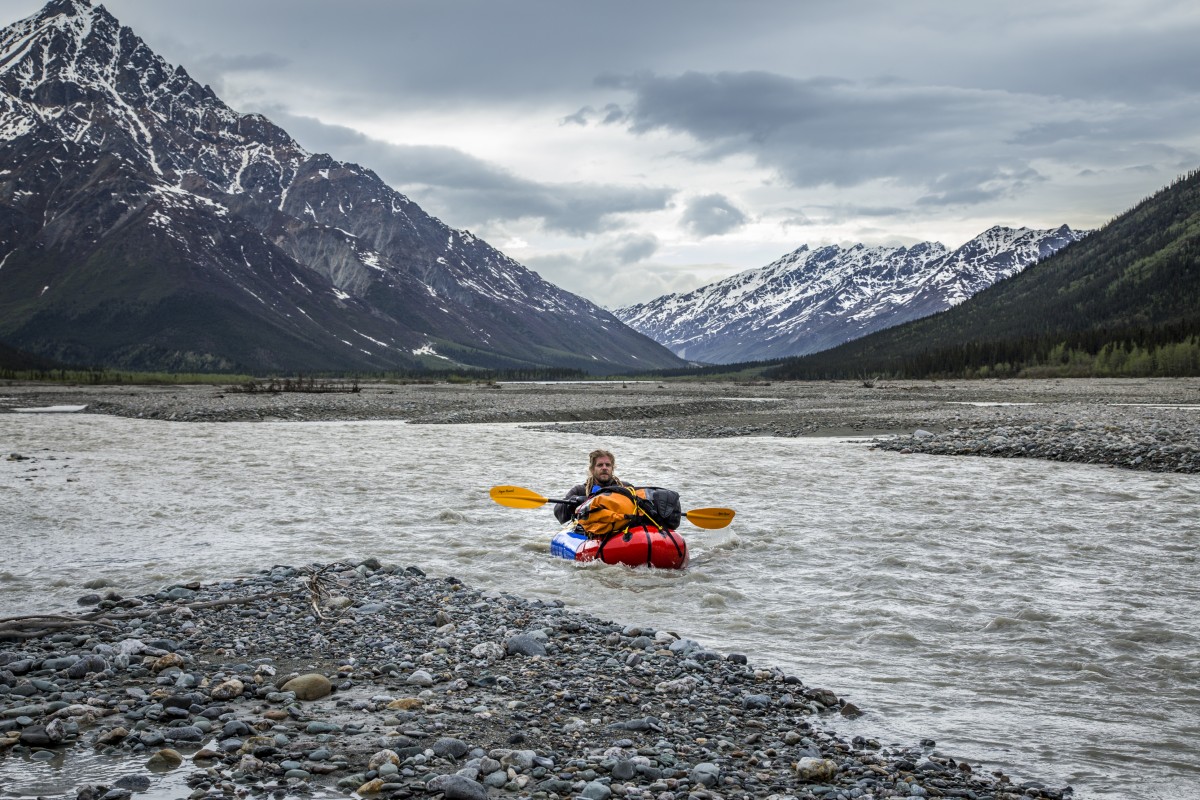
(18, 360)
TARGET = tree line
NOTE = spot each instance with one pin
(1168, 352)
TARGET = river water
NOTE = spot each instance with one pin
(1034, 617)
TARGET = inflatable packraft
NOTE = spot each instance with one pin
(636, 546)
(625, 526)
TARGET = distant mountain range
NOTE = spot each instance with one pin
(1124, 301)
(812, 300)
(144, 224)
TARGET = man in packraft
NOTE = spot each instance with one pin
(601, 464)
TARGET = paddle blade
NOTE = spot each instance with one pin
(517, 497)
(710, 517)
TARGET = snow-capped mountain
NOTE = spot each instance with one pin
(812, 300)
(144, 223)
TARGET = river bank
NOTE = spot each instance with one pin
(1144, 424)
(376, 679)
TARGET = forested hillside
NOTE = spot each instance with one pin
(12, 359)
(1123, 301)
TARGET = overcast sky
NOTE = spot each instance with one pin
(628, 148)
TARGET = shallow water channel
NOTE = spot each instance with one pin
(1034, 617)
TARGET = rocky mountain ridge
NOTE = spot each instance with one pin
(812, 300)
(145, 224)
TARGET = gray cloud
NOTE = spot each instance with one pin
(615, 271)
(834, 132)
(429, 52)
(712, 215)
(974, 186)
(874, 211)
(481, 50)
(1046, 133)
(252, 62)
(1130, 52)
(635, 247)
(580, 117)
(613, 114)
(469, 192)
(794, 218)
(827, 131)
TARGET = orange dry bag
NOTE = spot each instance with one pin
(608, 511)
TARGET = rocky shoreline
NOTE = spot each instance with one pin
(376, 679)
(1144, 424)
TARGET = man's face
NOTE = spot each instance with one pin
(603, 469)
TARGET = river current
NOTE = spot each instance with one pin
(1034, 617)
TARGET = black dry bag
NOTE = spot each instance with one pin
(664, 504)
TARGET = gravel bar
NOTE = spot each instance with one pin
(1144, 424)
(378, 680)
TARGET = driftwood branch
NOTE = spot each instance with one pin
(52, 622)
(35, 626)
(317, 582)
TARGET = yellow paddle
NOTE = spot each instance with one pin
(518, 497)
(710, 517)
